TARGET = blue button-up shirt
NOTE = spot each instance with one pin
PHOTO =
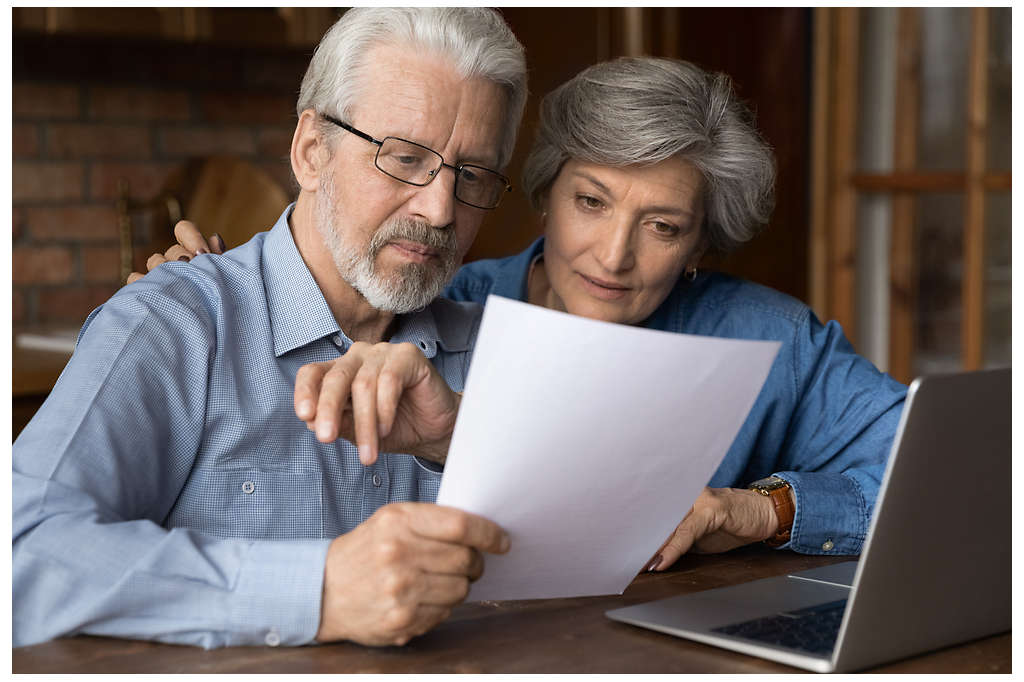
(824, 421)
(166, 489)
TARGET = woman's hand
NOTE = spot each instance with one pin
(380, 396)
(721, 519)
(190, 243)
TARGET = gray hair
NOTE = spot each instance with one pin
(643, 110)
(477, 41)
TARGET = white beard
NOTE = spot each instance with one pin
(413, 285)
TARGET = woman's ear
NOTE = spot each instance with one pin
(308, 154)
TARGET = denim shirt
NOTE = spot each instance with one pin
(166, 490)
(824, 420)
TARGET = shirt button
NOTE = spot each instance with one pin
(376, 480)
(338, 341)
(248, 487)
(272, 638)
(828, 545)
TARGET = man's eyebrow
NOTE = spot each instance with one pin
(674, 210)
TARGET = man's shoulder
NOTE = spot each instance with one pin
(205, 286)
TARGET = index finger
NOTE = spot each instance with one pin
(455, 526)
(189, 236)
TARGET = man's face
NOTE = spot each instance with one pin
(399, 244)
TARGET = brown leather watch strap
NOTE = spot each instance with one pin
(785, 510)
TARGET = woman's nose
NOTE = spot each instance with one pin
(615, 249)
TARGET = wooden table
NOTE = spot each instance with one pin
(541, 636)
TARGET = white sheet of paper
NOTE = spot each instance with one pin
(588, 442)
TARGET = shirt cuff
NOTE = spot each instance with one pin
(831, 513)
(278, 594)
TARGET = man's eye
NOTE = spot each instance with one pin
(409, 160)
(469, 176)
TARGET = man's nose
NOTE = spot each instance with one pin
(435, 203)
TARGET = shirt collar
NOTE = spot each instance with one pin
(512, 278)
(299, 314)
(298, 311)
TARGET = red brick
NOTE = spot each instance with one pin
(249, 107)
(18, 219)
(101, 264)
(73, 140)
(26, 140)
(43, 100)
(275, 142)
(72, 304)
(46, 265)
(18, 306)
(207, 141)
(137, 104)
(43, 181)
(145, 180)
(72, 223)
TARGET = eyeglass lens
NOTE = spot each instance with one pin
(417, 165)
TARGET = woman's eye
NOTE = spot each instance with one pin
(587, 201)
(665, 228)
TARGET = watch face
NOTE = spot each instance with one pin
(770, 483)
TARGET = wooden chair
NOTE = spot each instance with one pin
(221, 194)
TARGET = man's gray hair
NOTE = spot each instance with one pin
(643, 110)
(477, 42)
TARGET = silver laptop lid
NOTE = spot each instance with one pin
(936, 566)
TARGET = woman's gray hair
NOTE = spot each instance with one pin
(477, 41)
(643, 110)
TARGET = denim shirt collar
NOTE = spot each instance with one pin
(299, 313)
(512, 277)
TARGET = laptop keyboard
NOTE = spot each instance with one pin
(813, 629)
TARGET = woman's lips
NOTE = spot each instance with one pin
(603, 289)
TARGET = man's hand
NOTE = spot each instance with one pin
(400, 572)
(381, 395)
(190, 243)
(721, 519)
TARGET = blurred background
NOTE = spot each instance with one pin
(891, 127)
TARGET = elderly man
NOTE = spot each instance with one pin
(166, 490)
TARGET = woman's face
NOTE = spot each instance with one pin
(618, 238)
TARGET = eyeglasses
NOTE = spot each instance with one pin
(415, 164)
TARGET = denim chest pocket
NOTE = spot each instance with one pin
(251, 503)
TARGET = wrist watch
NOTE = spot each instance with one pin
(779, 490)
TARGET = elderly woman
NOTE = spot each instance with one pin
(640, 167)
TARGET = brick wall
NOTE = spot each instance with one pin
(90, 112)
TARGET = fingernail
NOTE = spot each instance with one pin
(653, 564)
(306, 408)
(220, 240)
(201, 250)
(505, 543)
(364, 453)
(323, 432)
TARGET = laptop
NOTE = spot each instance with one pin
(934, 569)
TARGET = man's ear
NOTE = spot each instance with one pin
(309, 155)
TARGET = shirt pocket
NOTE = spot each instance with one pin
(251, 503)
(427, 488)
